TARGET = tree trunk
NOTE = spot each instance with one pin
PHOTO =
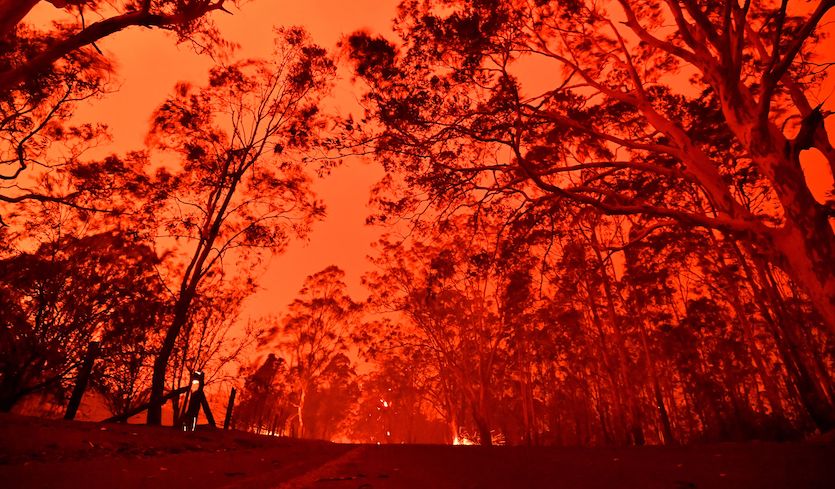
(485, 437)
(807, 254)
(526, 401)
(802, 337)
(820, 411)
(635, 430)
(666, 427)
(734, 294)
(484, 434)
(452, 424)
(482, 410)
(300, 411)
(804, 246)
(161, 361)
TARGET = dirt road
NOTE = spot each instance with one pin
(728, 466)
(56, 454)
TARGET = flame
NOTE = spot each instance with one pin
(462, 441)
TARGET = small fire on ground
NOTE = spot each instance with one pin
(462, 440)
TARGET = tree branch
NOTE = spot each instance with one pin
(96, 31)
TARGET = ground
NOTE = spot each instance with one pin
(62, 454)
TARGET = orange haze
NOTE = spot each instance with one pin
(149, 63)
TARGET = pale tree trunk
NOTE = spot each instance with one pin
(612, 374)
(526, 399)
(603, 417)
(804, 246)
(300, 410)
(452, 419)
(801, 338)
(448, 403)
(452, 425)
(481, 411)
(664, 417)
(807, 253)
(771, 391)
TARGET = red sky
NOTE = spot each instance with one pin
(150, 63)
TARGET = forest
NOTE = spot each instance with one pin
(600, 223)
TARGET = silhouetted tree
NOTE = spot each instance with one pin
(240, 188)
(451, 284)
(329, 403)
(615, 130)
(314, 333)
(67, 293)
(266, 404)
(45, 74)
(187, 19)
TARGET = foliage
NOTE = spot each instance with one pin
(614, 129)
(314, 337)
(67, 293)
(240, 189)
(45, 74)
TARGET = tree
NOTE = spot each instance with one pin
(67, 293)
(394, 404)
(34, 124)
(329, 403)
(123, 375)
(614, 131)
(460, 289)
(315, 332)
(44, 74)
(605, 338)
(187, 19)
(211, 342)
(265, 400)
(240, 188)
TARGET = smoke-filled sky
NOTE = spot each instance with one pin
(149, 63)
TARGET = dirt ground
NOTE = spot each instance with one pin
(58, 454)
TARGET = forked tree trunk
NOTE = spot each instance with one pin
(804, 246)
(806, 251)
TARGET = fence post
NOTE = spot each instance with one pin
(189, 420)
(229, 406)
(82, 379)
